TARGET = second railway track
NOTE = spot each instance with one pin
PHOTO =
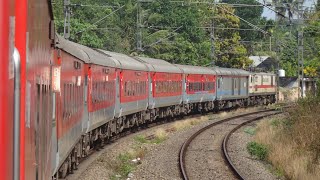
(202, 156)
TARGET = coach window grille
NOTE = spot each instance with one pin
(73, 93)
(64, 100)
(125, 89)
(68, 101)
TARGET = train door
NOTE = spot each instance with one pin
(43, 129)
(118, 93)
(218, 89)
(234, 86)
(239, 85)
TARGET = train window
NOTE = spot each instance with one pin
(126, 89)
(73, 99)
(235, 83)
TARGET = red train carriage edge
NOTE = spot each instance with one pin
(64, 99)
(165, 93)
(7, 91)
(199, 88)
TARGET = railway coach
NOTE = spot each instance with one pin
(199, 88)
(85, 102)
(262, 88)
(232, 88)
(26, 117)
(60, 99)
(165, 92)
(7, 119)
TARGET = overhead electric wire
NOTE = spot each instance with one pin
(88, 5)
(161, 39)
(249, 23)
(101, 19)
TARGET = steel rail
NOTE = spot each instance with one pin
(226, 140)
(184, 147)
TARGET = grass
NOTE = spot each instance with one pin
(184, 124)
(293, 142)
(258, 150)
(160, 136)
(250, 130)
(126, 166)
(140, 139)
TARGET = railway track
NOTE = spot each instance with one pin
(203, 163)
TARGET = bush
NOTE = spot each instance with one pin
(258, 150)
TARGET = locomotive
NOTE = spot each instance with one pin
(60, 99)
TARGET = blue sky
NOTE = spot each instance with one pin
(271, 15)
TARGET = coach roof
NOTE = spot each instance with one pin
(125, 61)
(230, 71)
(188, 69)
(159, 65)
(84, 53)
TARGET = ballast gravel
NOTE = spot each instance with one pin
(160, 160)
(249, 167)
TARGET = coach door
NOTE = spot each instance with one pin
(239, 86)
(42, 130)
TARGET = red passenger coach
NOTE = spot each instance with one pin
(70, 100)
(35, 41)
(166, 84)
(6, 90)
(165, 94)
(132, 84)
(199, 87)
(200, 83)
(101, 89)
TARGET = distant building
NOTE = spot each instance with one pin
(290, 88)
(263, 63)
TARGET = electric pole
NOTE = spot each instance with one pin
(300, 48)
(139, 24)
(67, 14)
(212, 35)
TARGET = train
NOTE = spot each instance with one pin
(60, 99)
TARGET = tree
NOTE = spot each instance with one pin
(172, 31)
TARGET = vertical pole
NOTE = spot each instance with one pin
(17, 123)
(139, 31)
(212, 35)
(270, 41)
(278, 68)
(300, 49)
(67, 14)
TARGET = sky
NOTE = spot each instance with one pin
(271, 15)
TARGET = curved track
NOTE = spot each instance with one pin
(183, 151)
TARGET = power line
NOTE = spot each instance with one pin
(250, 24)
(160, 40)
(101, 19)
(89, 5)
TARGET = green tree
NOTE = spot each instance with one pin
(172, 31)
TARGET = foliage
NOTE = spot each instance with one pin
(173, 31)
(312, 36)
(258, 150)
(251, 14)
(250, 130)
(293, 140)
(126, 166)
